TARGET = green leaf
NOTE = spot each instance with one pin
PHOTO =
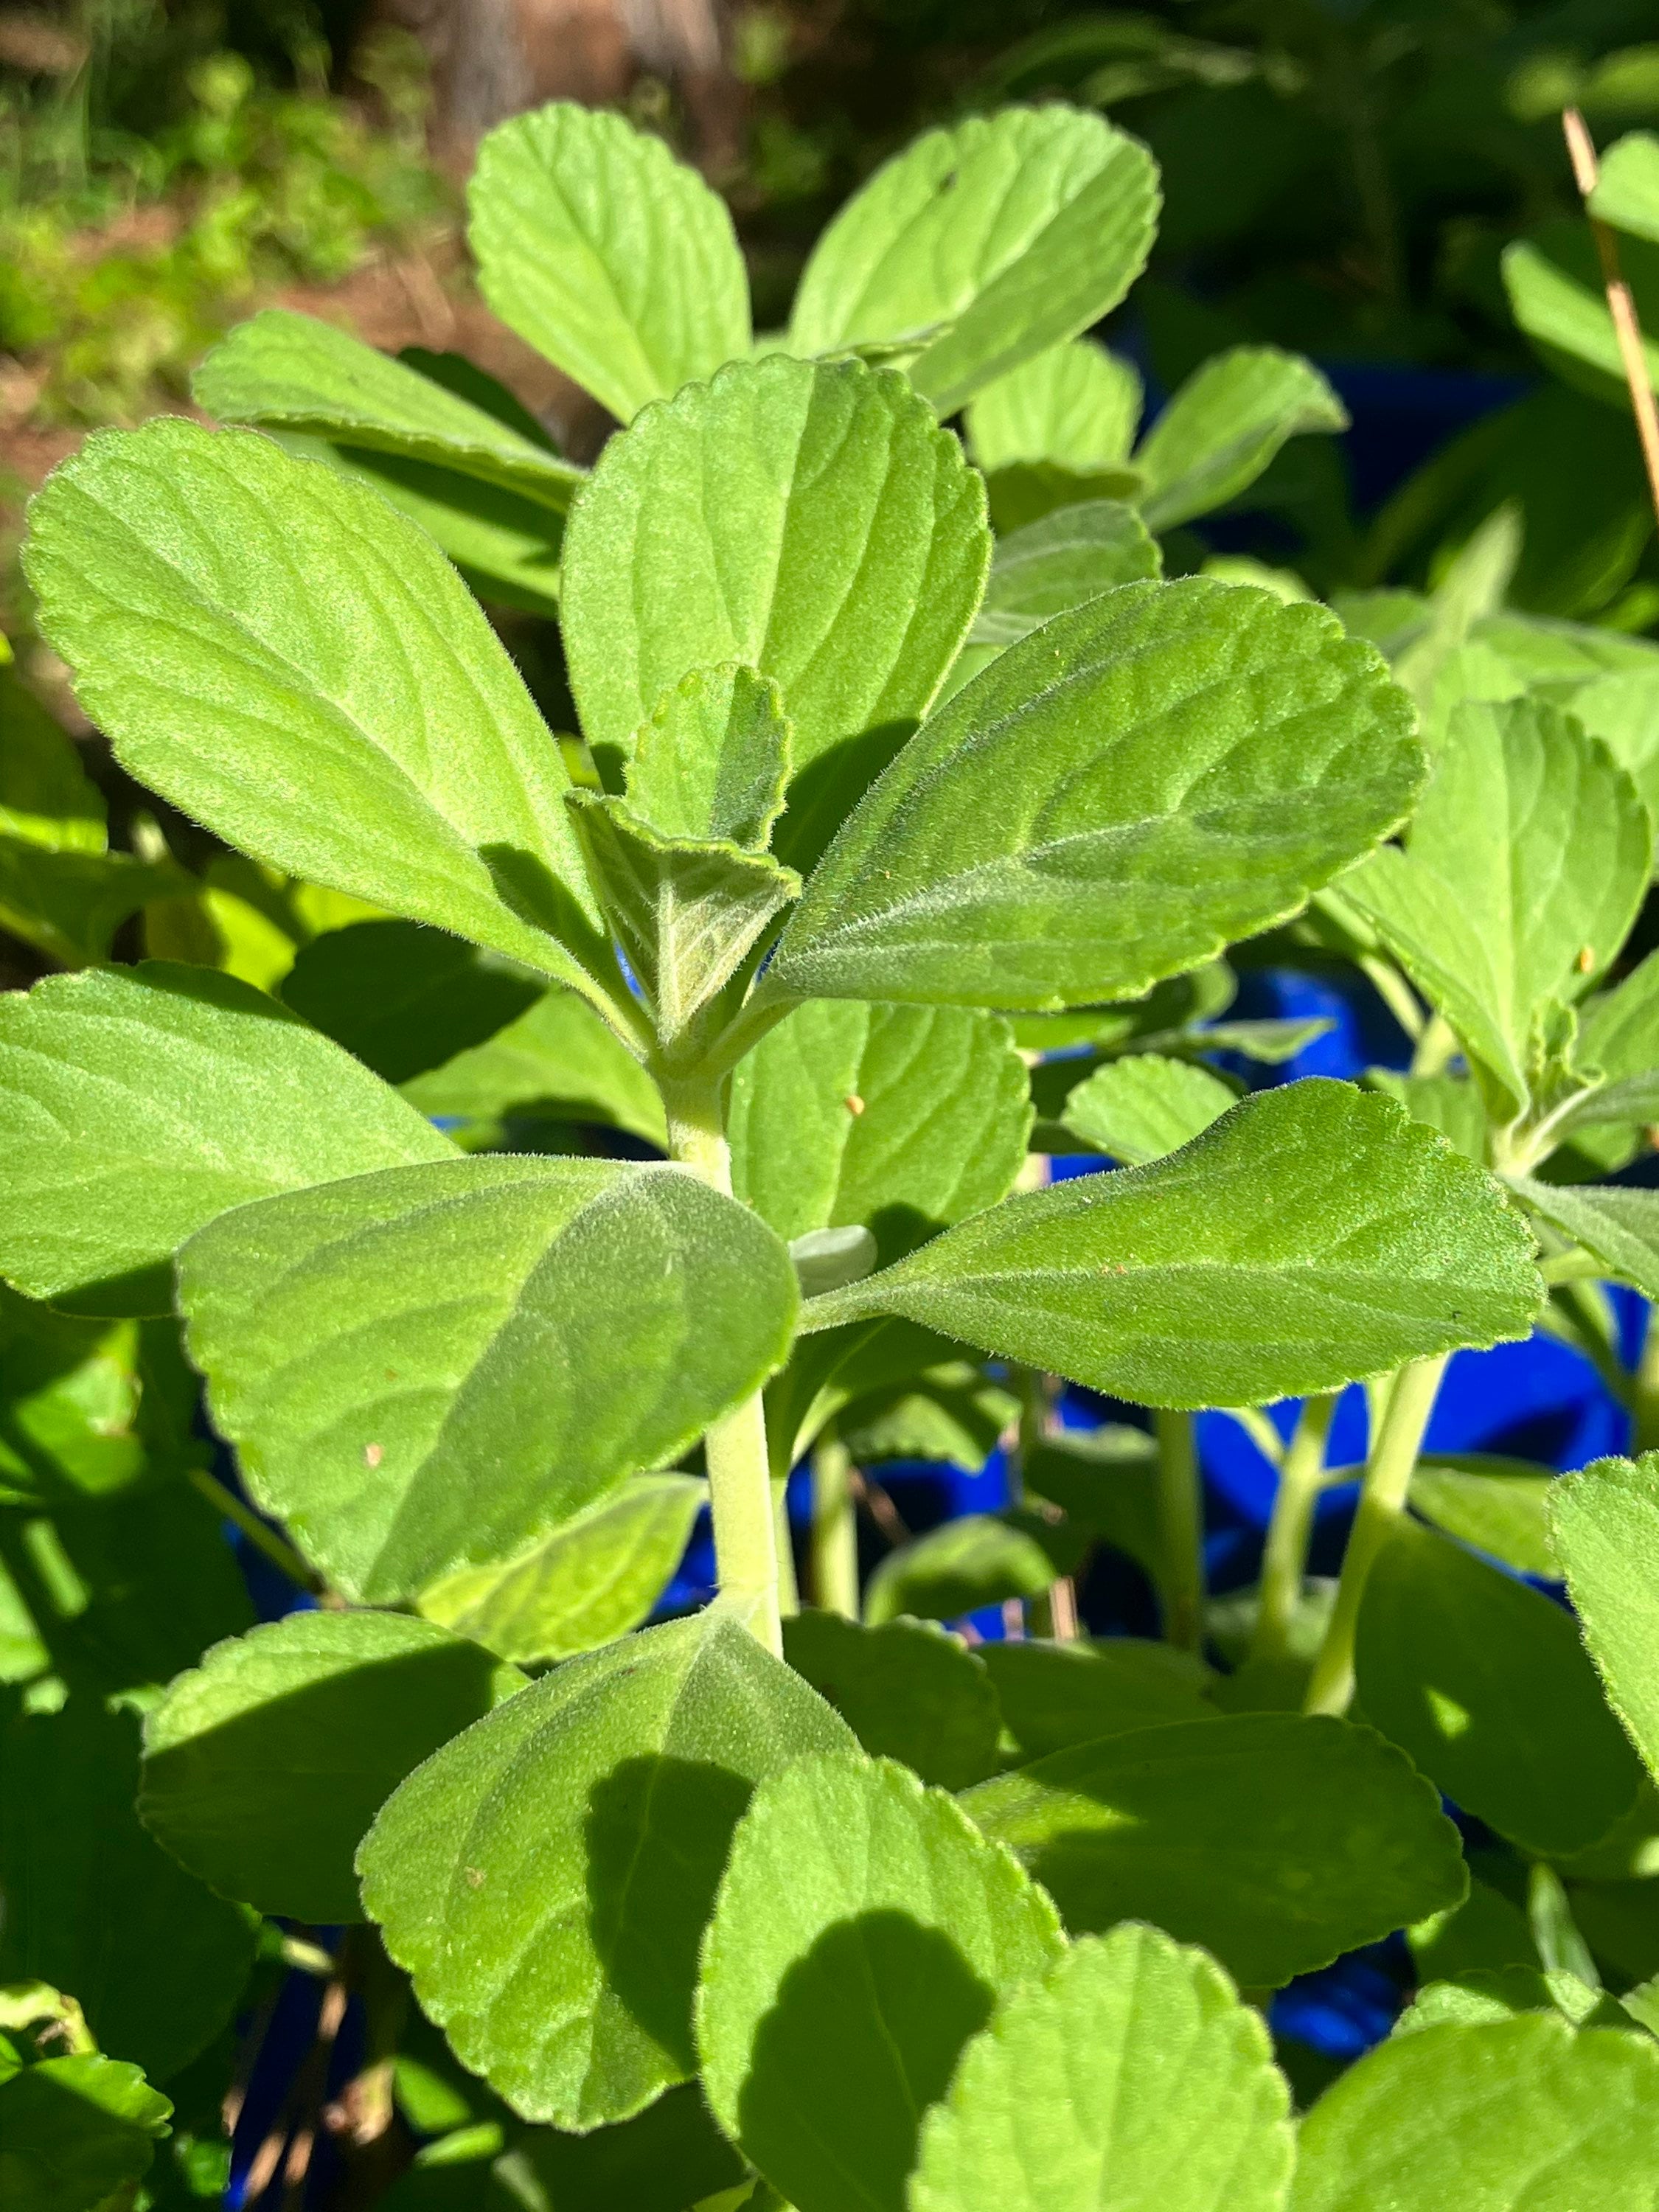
(588, 1583)
(1496, 1505)
(610, 257)
(1106, 1482)
(906, 1689)
(69, 904)
(1221, 429)
(1491, 1993)
(1517, 2116)
(1140, 1108)
(1619, 1228)
(1604, 1525)
(899, 1118)
(863, 1932)
(525, 1332)
(506, 546)
(138, 1103)
(265, 1766)
(1558, 295)
(1450, 1103)
(664, 2159)
(1619, 1029)
(353, 721)
(1626, 194)
(714, 758)
(1484, 1683)
(402, 998)
(686, 913)
(1115, 797)
(76, 2135)
(982, 246)
(1054, 1695)
(1130, 2079)
(546, 1877)
(282, 371)
(976, 1560)
(1312, 1236)
(84, 1405)
(46, 799)
(1075, 406)
(814, 523)
(559, 1061)
(1521, 873)
(1275, 1841)
(952, 1414)
(1063, 561)
(95, 1906)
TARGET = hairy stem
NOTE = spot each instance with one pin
(1181, 1524)
(740, 1494)
(834, 1530)
(1284, 1560)
(1389, 1472)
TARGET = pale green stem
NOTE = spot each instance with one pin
(279, 1552)
(1180, 1527)
(1381, 1505)
(834, 1530)
(1434, 1048)
(1285, 1559)
(1396, 993)
(784, 1544)
(1646, 1409)
(740, 1495)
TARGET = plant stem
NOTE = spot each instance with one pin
(1644, 1406)
(1284, 1560)
(740, 1497)
(280, 1553)
(1381, 1505)
(1621, 303)
(835, 1529)
(1182, 1528)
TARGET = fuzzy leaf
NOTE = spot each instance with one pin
(906, 1689)
(1062, 561)
(546, 1877)
(265, 1766)
(585, 1584)
(608, 255)
(1140, 1108)
(714, 758)
(1312, 1236)
(559, 1061)
(975, 1559)
(525, 1332)
(1275, 1841)
(272, 648)
(139, 1103)
(1619, 1228)
(1484, 1683)
(1498, 1505)
(403, 999)
(506, 546)
(1224, 425)
(1114, 799)
(1130, 2079)
(1054, 1695)
(863, 1932)
(1075, 406)
(813, 523)
(1604, 1526)
(282, 371)
(982, 246)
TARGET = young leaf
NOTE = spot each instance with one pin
(1520, 875)
(1313, 1235)
(1619, 1228)
(353, 721)
(403, 999)
(1618, 1031)
(714, 758)
(1515, 2116)
(1059, 562)
(982, 247)
(1130, 2079)
(138, 1103)
(610, 257)
(1140, 1108)
(557, 1062)
(546, 1877)
(265, 1766)
(95, 1906)
(1484, 1683)
(1054, 1695)
(686, 913)
(1498, 1505)
(585, 1584)
(1275, 1841)
(1626, 192)
(1114, 798)
(977, 1559)
(77, 2134)
(952, 1414)
(1075, 407)
(899, 1118)
(862, 1933)
(282, 371)
(1604, 1526)
(813, 523)
(524, 1333)
(906, 1689)
(1224, 425)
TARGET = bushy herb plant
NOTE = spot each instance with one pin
(887, 851)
